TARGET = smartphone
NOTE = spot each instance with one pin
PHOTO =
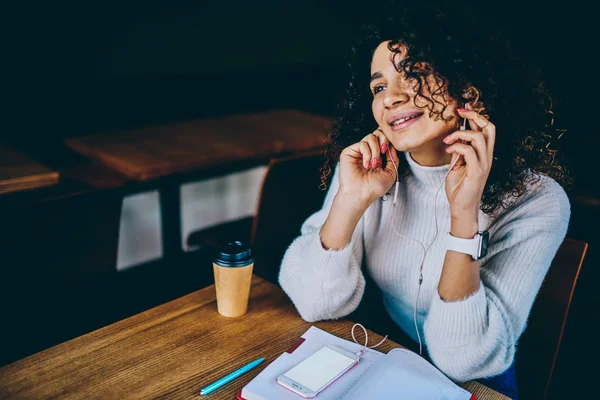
(315, 373)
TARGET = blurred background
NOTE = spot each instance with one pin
(90, 250)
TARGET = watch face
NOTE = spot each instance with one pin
(485, 238)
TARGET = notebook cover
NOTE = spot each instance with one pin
(293, 348)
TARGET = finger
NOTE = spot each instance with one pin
(490, 142)
(360, 153)
(476, 139)
(468, 153)
(490, 150)
(476, 121)
(458, 162)
(365, 151)
(373, 143)
(383, 141)
(472, 125)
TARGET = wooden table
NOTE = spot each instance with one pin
(214, 146)
(172, 351)
(153, 152)
(19, 172)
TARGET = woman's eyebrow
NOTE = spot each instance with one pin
(376, 75)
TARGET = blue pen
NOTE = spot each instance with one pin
(230, 377)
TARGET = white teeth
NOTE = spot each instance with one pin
(401, 120)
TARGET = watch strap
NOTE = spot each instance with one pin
(466, 246)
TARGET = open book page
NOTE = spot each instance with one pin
(265, 385)
(402, 374)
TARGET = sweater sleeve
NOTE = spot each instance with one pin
(476, 337)
(323, 284)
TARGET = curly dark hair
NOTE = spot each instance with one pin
(468, 63)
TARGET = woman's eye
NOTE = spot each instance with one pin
(377, 89)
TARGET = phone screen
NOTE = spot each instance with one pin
(319, 369)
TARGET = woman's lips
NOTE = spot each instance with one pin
(405, 124)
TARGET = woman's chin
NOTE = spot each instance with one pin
(406, 145)
(416, 141)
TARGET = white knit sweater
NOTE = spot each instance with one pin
(467, 339)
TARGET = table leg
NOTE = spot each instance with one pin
(170, 207)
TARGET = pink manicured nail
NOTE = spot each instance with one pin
(384, 148)
(446, 139)
(374, 162)
(462, 109)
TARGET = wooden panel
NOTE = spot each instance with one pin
(19, 172)
(171, 351)
(153, 152)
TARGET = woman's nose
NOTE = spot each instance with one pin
(395, 95)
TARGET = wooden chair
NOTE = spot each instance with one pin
(539, 345)
(289, 195)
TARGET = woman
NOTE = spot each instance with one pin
(410, 93)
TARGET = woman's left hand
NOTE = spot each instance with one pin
(466, 182)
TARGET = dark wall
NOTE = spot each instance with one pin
(73, 67)
(82, 42)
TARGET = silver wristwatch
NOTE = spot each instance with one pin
(476, 247)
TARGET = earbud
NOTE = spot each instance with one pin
(397, 178)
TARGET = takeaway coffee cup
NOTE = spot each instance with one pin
(233, 273)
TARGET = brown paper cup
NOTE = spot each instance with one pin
(233, 289)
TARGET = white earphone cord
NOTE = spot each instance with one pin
(366, 339)
(422, 245)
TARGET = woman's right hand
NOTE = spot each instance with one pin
(361, 172)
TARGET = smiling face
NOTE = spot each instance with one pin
(409, 127)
